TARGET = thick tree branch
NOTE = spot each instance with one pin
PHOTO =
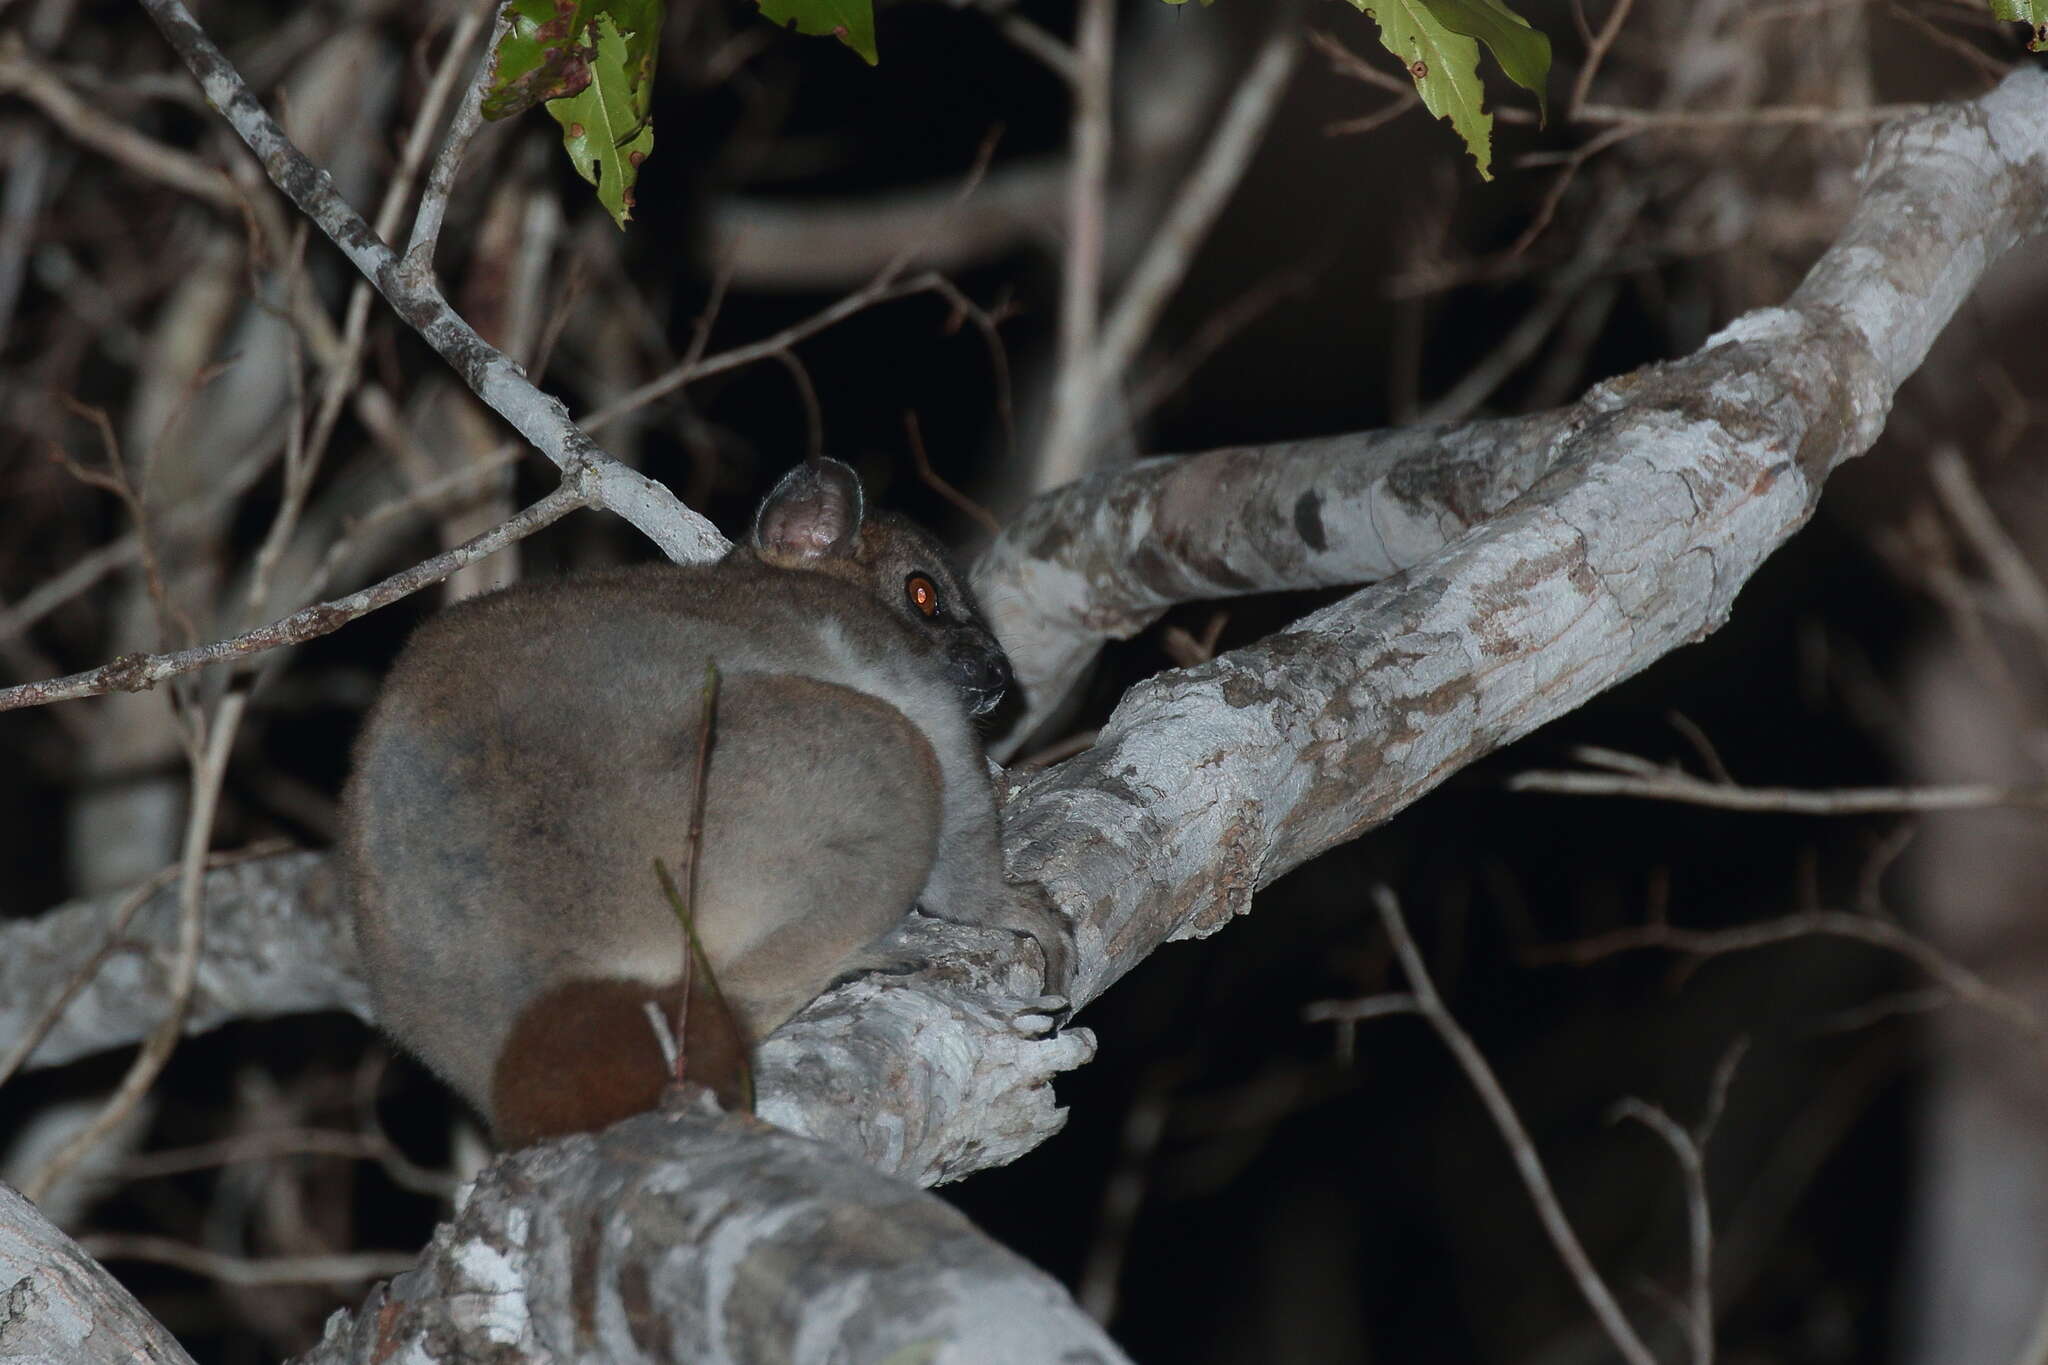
(57, 1303)
(683, 1236)
(278, 941)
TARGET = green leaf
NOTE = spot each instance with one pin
(605, 128)
(2032, 13)
(1522, 51)
(541, 57)
(850, 21)
(1445, 68)
(545, 54)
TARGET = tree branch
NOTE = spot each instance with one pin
(60, 1304)
(682, 535)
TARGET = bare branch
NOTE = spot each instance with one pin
(1671, 784)
(541, 419)
(139, 672)
(1699, 1306)
(21, 74)
(342, 1269)
(1075, 383)
(1961, 983)
(1501, 1110)
(426, 226)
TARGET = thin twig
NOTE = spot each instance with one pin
(33, 1036)
(1056, 56)
(493, 376)
(1074, 387)
(1670, 784)
(426, 225)
(249, 1272)
(140, 672)
(914, 434)
(1528, 1165)
(1967, 506)
(1699, 1306)
(693, 849)
(1959, 980)
(1768, 116)
(1173, 246)
(183, 172)
(208, 773)
(265, 1145)
(1596, 53)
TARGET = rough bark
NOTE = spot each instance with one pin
(689, 1236)
(59, 1304)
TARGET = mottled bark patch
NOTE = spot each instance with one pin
(1308, 521)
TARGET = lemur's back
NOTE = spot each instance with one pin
(551, 779)
(535, 751)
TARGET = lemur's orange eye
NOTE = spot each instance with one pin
(923, 594)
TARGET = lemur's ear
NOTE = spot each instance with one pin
(814, 513)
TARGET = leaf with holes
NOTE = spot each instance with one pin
(2032, 13)
(605, 128)
(545, 53)
(1445, 68)
(541, 57)
(850, 21)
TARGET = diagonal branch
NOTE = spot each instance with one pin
(682, 535)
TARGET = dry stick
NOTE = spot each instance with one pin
(1173, 247)
(1379, 118)
(1699, 1315)
(1123, 1195)
(355, 327)
(426, 225)
(684, 901)
(139, 672)
(21, 206)
(247, 1272)
(1966, 505)
(208, 773)
(1345, 62)
(1062, 458)
(982, 517)
(264, 1145)
(22, 75)
(1527, 336)
(707, 710)
(1672, 785)
(1166, 260)
(32, 1038)
(1530, 1167)
(1596, 53)
(1056, 56)
(541, 419)
(1957, 979)
(1768, 116)
(882, 289)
